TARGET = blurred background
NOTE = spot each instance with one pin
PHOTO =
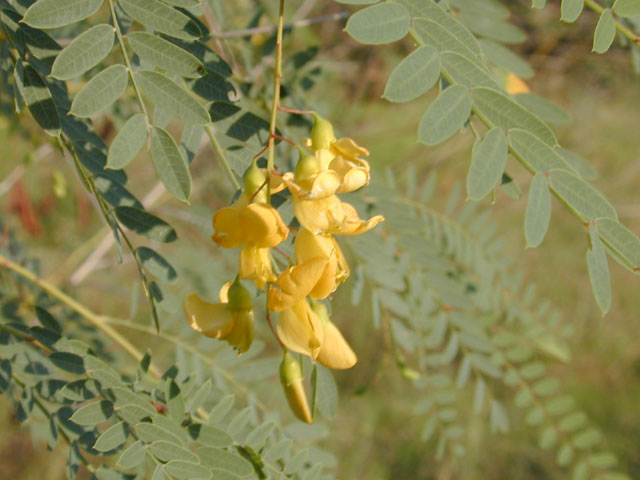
(41, 198)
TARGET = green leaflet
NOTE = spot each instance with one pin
(84, 52)
(538, 3)
(436, 35)
(379, 24)
(58, 13)
(536, 155)
(580, 196)
(100, 92)
(93, 413)
(144, 223)
(173, 98)
(37, 97)
(162, 18)
(622, 242)
(501, 56)
(112, 438)
(543, 108)
(570, 10)
(494, 29)
(210, 436)
(500, 110)
(164, 54)
(225, 460)
(599, 270)
(325, 392)
(183, 3)
(128, 142)
(538, 214)
(167, 451)
(156, 264)
(187, 470)
(605, 32)
(485, 8)
(459, 69)
(133, 455)
(488, 159)
(446, 115)
(579, 164)
(414, 75)
(627, 8)
(356, 2)
(169, 164)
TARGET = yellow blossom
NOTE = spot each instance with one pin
(230, 320)
(300, 329)
(255, 264)
(295, 284)
(335, 352)
(515, 85)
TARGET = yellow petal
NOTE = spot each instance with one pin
(241, 335)
(324, 215)
(229, 232)
(295, 284)
(347, 148)
(211, 319)
(262, 225)
(353, 224)
(300, 329)
(515, 84)
(255, 264)
(335, 353)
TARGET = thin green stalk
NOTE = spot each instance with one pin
(127, 62)
(623, 29)
(277, 77)
(96, 320)
(223, 158)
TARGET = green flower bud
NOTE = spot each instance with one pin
(291, 379)
(322, 133)
(254, 178)
(239, 297)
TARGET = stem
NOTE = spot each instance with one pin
(223, 158)
(623, 29)
(97, 320)
(277, 76)
(125, 56)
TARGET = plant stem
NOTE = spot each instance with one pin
(223, 158)
(277, 76)
(127, 62)
(96, 320)
(623, 29)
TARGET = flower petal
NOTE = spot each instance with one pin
(229, 232)
(295, 284)
(347, 148)
(211, 319)
(241, 335)
(324, 215)
(353, 224)
(335, 353)
(300, 329)
(262, 225)
(255, 264)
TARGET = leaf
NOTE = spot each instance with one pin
(156, 264)
(37, 97)
(84, 52)
(259, 435)
(225, 460)
(488, 159)
(112, 438)
(605, 32)
(501, 56)
(128, 142)
(356, 2)
(500, 110)
(47, 320)
(445, 116)
(93, 413)
(133, 455)
(169, 164)
(536, 155)
(622, 242)
(150, 433)
(499, 418)
(543, 108)
(538, 3)
(579, 164)
(173, 98)
(570, 10)
(459, 69)
(627, 8)
(58, 13)
(599, 270)
(183, 3)
(580, 196)
(326, 393)
(414, 75)
(144, 223)
(187, 470)
(538, 214)
(166, 55)
(100, 92)
(162, 18)
(378, 24)
(69, 362)
(492, 28)
(210, 436)
(167, 451)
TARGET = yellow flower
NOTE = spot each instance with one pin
(312, 178)
(291, 379)
(295, 283)
(335, 352)
(354, 172)
(230, 320)
(308, 246)
(300, 329)
(515, 85)
(330, 216)
(255, 264)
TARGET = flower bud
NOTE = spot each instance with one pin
(307, 166)
(322, 133)
(291, 379)
(254, 179)
(239, 297)
(241, 336)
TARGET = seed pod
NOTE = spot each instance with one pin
(291, 379)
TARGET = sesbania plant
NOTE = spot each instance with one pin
(210, 111)
(252, 223)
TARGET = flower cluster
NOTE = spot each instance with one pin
(333, 166)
